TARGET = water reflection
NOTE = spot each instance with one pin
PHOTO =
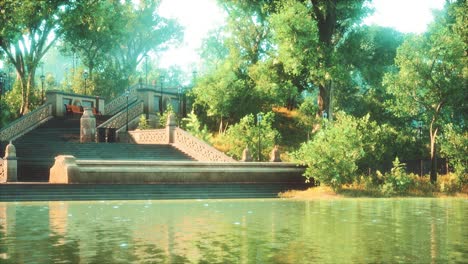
(235, 231)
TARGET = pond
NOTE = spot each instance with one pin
(408, 230)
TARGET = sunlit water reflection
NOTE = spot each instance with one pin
(235, 231)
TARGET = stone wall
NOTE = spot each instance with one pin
(69, 170)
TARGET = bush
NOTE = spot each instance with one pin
(449, 184)
(143, 123)
(163, 118)
(193, 126)
(332, 156)
(247, 133)
(397, 181)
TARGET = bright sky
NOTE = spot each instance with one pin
(404, 15)
(198, 18)
(201, 16)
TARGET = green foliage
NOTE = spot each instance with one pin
(331, 156)
(397, 181)
(27, 31)
(343, 149)
(143, 123)
(454, 146)
(194, 127)
(248, 133)
(163, 118)
(114, 36)
(430, 84)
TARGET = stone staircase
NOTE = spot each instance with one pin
(37, 149)
(97, 192)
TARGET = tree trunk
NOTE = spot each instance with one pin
(322, 102)
(433, 136)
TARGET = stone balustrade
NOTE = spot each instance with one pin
(2, 175)
(120, 120)
(119, 103)
(26, 123)
(197, 148)
(150, 136)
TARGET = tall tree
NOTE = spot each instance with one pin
(113, 37)
(229, 91)
(326, 25)
(369, 53)
(432, 77)
(144, 31)
(28, 30)
(92, 29)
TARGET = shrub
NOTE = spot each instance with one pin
(247, 133)
(449, 184)
(331, 157)
(193, 126)
(143, 123)
(397, 181)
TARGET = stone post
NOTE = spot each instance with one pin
(87, 126)
(275, 155)
(10, 164)
(246, 156)
(170, 128)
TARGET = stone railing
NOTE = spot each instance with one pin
(198, 149)
(119, 103)
(150, 136)
(26, 123)
(119, 120)
(2, 175)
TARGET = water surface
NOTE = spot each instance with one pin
(235, 231)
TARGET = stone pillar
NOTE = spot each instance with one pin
(170, 128)
(275, 155)
(87, 126)
(10, 164)
(246, 156)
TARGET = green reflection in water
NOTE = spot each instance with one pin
(235, 231)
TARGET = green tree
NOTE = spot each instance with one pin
(229, 91)
(308, 34)
(431, 80)
(369, 53)
(454, 146)
(113, 37)
(92, 29)
(27, 31)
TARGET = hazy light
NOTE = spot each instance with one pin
(404, 15)
(198, 18)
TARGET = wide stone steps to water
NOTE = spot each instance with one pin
(59, 192)
(37, 149)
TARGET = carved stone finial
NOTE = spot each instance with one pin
(246, 156)
(87, 126)
(10, 151)
(171, 120)
(10, 164)
(275, 155)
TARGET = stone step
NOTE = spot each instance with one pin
(59, 192)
